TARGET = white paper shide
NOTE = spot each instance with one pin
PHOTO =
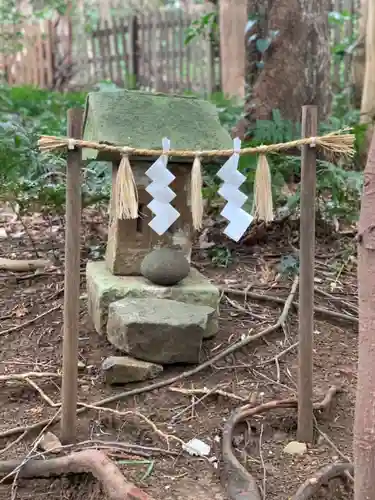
(239, 220)
(164, 213)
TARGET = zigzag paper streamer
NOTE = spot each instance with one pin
(165, 214)
(239, 220)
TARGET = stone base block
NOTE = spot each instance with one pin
(158, 330)
(103, 288)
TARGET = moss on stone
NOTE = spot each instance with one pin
(141, 120)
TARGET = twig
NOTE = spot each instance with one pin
(13, 443)
(156, 385)
(208, 392)
(264, 482)
(278, 356)
(193, 404)
(271, 298)
(330, 442)
(337, 299)
(138, 414)
(243, 309)
(30, 321)
(20, 218)
(42, 393)
(321, 478)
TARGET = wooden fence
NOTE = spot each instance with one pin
(146, 51)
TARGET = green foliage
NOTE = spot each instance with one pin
(206, 26)
(27, 177)
(339, 185)
(221, 256)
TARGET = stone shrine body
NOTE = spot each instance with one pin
(148, 321)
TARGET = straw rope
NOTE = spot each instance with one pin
(335, 144)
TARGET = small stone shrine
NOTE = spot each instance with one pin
(144, 296)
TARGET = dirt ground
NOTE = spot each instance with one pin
(31, 341)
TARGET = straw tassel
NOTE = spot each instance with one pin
(263, 204)
(196, 193)
(126, 191)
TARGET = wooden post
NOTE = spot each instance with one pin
(72, 282)
(134, 54)
(306, 287)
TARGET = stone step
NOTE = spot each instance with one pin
(124, 369)
(158, 330)
(103, 288)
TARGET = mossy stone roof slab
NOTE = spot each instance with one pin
(140, 119)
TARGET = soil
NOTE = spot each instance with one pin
(31, 341)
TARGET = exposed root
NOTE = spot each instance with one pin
(235, 478)
(321, 478)
(93, 461)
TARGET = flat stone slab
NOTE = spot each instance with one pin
(103, 288)
(158, 330)
(124, 369)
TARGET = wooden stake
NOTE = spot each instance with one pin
(306, 288)
(72, 281)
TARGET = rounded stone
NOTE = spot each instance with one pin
(165, 266)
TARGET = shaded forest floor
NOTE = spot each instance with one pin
(31, 341)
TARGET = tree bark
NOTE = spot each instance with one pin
(296, 68)
(368, 95)
(232, 19)
(359, 56)
(364, 426)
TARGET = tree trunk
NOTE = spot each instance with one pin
(364, 426)
(368, 95)
(233, 18)
(359, 56)
(296, 67)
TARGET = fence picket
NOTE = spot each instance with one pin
(145, 50)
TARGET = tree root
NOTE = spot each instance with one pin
(239, 483)
(321, 478)
(20, 266)
(93, 461)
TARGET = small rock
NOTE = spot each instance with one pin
(81, 365)
(158, 330)
(50, 442)
(124, 369)
(165, 266)
(295, 448)
(3, 233)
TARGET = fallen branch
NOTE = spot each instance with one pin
(28, 375)
(234, 477)
(20, 266)
(321, 478)
(278, 300)
(92, 461)
(161, 383)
